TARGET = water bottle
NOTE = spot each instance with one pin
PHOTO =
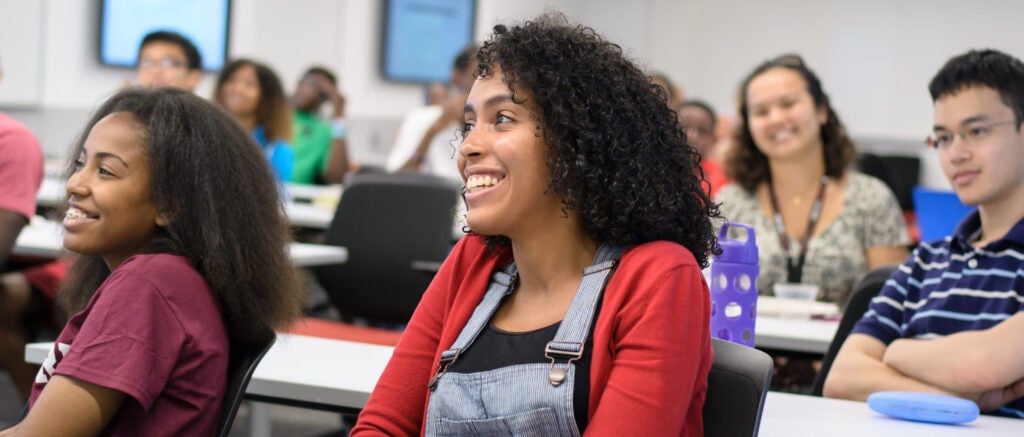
(734, 287)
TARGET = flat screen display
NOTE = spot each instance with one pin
(422, 38)
(123, 23)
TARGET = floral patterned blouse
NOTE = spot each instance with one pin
(836, 257)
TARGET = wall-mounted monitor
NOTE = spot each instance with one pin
(123, 23)
(422, 37)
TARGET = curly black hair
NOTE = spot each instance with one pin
(210, 177)
(617, 153)
(749, 167)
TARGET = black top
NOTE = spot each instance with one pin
(494, 349)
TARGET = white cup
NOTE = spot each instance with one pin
(789, 290)
(795, 300)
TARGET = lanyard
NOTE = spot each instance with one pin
(795, 270)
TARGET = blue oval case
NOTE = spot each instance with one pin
(923, 407)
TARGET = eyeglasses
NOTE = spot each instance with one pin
(165, 63)
(970, 135)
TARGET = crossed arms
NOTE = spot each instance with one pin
(986, 366)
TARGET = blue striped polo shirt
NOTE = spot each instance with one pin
(948, 286)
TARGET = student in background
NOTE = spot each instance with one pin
(252, 92)
(21, 174)
(168, 59)
(161, 286)
(949, 321)
(569, 156)
(699, 123)
(426, 140)
(674, 94)
(321, 150)
(817, 222)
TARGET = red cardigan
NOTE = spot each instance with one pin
(652, 345)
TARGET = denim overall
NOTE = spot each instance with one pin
(524, 399)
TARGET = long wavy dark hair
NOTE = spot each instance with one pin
(273, 110)
(617, 153)
(749, 167)
(215, 186)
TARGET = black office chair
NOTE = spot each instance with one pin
(863, 292)
(900, 174)
(390, 224)
(737, 386)
(244, 358)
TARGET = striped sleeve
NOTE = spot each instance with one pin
(887, 312)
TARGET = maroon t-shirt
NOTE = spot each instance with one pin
(152, 331)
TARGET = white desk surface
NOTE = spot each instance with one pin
(308, 215)
(337, 373)
(51, 193)
(799, 335)
(313, 192)
(298, 368)
(788, 415)
(43, 238)
(321, 371)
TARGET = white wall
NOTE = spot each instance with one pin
(874, 56)
(54, 79)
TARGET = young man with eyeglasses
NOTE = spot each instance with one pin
(168, 59)
(950, 319)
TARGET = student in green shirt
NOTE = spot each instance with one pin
(321, 152)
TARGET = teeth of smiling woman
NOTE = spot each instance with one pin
(74, 213)
(480, 181)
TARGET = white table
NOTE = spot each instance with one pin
(797, 335)
(789, 415)
(310, 193)
(51, 193)
(340, 375)
(318, 372)
(44, 239)
(308, 215)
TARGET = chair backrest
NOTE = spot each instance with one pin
(737, 385)
(387, 222)
(900, 173)
(863, 292)
(244, 358)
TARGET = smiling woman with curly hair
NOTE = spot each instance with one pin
(576, 302)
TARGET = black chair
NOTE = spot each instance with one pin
(244, 358)
(391, 224)
(737, 386)
(863, 292)
(900, 173)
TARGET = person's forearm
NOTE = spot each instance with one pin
(11, 224)
(337, 162)
(416, 160)
(858, 371)
(971, 361)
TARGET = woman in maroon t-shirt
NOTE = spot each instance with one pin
(162, 283)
